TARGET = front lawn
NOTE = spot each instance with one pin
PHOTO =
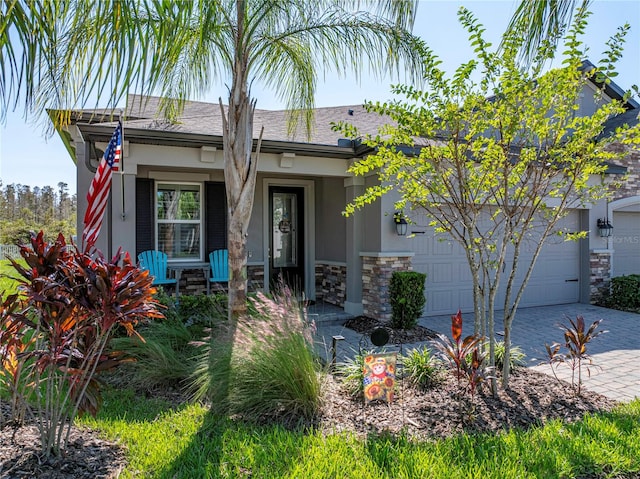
(187, 442)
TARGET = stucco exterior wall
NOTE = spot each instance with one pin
(330, 224)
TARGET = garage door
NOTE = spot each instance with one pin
(555, 278)
(626, 243)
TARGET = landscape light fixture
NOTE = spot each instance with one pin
(334, 349)
(605, 229)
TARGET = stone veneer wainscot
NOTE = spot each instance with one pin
(377, 269)
(600, 274)
(331, 282)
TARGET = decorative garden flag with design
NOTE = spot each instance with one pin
(100, 187)
(379, 377)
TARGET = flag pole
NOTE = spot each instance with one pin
(124, 214)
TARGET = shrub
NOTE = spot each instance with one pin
(164, 358)
(202, 309)
(168, 304)
(516, 357)
(15, 341)
(406, 294)
(73, 303)
(625, 293)
(421, 367)
(264, 366)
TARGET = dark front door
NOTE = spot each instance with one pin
(286, 237)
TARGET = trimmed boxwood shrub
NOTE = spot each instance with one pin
(625, 292)
(406, 293)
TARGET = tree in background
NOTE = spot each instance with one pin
(23, 210)
(499, 158)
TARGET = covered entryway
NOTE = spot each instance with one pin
(288, 234)
(555, 278)
(286, 237)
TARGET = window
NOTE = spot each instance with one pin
(179, 220)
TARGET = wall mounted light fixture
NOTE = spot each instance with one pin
(401, 223)
(605, 229)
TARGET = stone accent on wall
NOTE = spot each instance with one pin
(331, 282)
(192, 282)
(376, 277)
(600, 278)
(255, 275)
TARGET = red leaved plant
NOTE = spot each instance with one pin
(576, 338)
(14, 341)
(464, 355)
(73, 303)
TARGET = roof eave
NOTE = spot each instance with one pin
(101, 132)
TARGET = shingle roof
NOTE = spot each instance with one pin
(205, 118)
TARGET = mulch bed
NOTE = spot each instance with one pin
(366, 326)
(86, 456)
(532, 399)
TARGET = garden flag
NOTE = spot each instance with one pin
(99, 189)
(379, 377)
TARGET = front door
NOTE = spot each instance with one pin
(286, 237)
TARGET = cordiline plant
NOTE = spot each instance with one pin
(74, 301)
(576, 338)
(14, 341)
(464, 356)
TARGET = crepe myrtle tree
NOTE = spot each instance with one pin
(494, 156)
(181, 48)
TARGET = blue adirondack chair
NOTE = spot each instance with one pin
(219, 260)
(156, 263)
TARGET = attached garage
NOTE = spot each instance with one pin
(626, 241)
(555, 278)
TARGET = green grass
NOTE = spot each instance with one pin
(191, 443)
(7, 285)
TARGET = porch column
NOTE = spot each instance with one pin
(354, 187)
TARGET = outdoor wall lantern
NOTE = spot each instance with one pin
(401, 223)
(605, 229)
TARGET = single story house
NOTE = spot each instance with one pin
(297, 224)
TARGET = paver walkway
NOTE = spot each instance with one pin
(616, 353)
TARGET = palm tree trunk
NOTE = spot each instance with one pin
(240, 171)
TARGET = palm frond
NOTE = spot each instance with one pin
(542, 21)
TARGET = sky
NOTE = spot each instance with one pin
(27, 157)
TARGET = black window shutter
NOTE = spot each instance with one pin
(215, 217)
(145, 228)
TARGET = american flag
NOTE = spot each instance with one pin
(99, 189)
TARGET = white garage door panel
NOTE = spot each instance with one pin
(441, 300)
(626, 243)
(449, 285)
(555, 272)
